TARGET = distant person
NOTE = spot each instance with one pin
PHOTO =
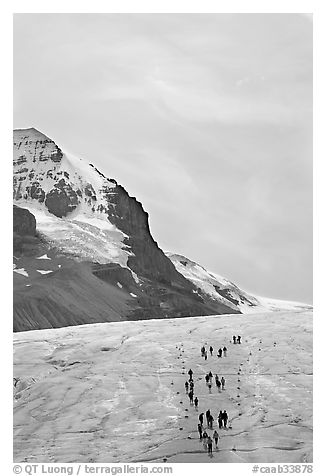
(223, 382)
(190, 373)
(219, 354)
(208, 413)
(209, 446)
(220, 419)
(211, 420)
(202, 350)
(239, 339)
(200, 430)
(186, 386)
(205, 437)
(218, 384)
(225, 419)
(196, 403)
(216, 438)
(191, 385)
(191, 397)
(205, 355)
(211, 350)
(201, 418)
(224, 351)
(234, 339)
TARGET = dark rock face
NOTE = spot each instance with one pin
(25, 238)
(62, 199)
(148, 260)
(24, 222)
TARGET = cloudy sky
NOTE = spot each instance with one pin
(205, 118)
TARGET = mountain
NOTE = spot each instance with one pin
(224, 291)
(84, 253)
(83, 250)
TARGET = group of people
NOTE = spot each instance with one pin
(221, 351)
(203, 435)
(219, 383)
(189, 386)
(222, 418)
(236, 340)
(207, 440)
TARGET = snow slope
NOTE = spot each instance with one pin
(83, 235)
(115, 392)
(224, 291)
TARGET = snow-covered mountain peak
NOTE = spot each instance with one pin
(86, 217)
(29, 133)
(43, 173)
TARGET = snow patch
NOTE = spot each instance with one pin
(44, 257)
(43, 271)
(134, 275)
(21, 271)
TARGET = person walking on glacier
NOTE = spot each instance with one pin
(216, 438)
(201, 418)
(225, 418)
(209, 446)
(218, 384)
(223, 382)
(205, 436)
(208, 413)
(211, 419)
(220, 420)
(191, 397)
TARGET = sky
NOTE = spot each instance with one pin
(204, 118)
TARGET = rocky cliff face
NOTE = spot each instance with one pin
(24, 222)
